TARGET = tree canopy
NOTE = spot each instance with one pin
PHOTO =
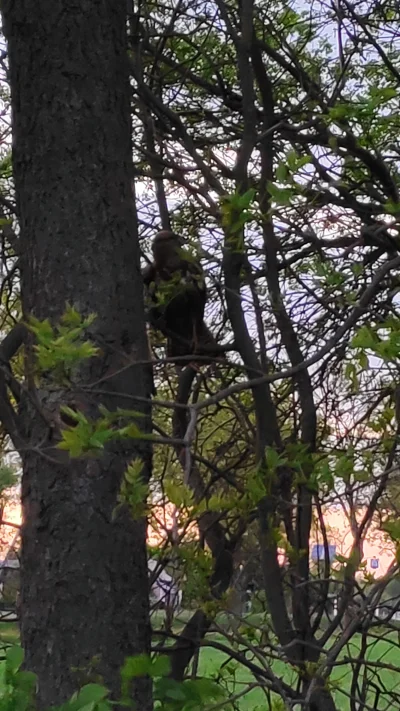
(266, 135)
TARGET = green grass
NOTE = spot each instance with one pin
(384, 651)
(212, 663)
(9, 633)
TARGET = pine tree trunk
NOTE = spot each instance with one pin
(84, 589)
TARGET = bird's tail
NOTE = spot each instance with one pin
(206, 344)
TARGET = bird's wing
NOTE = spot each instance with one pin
(196, 279)
(148, 274)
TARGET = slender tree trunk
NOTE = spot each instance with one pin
(84, 589)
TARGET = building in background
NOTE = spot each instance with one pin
(378, 550)
(164, 592)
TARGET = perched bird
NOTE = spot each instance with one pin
(176, 296)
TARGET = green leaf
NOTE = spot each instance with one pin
(92, 693)
(71, 443)
(202, 690)
(8, 477)
(340, 111)
(363, 360)
(333, 142)
(216, 502)
(295, 161)
(393, 208)
(344, 466)
(14, 658)
(282, 172)
(361, 475)
(364, 338)
(351, 374)
(246, 198)
(134, 489)
(104, 706)
(62, 347)
(84, 707)
(131, 431)
(324, 475)
(25, 680)
(177, 493)
(137, 666)
(257, 482)
(175, 693)
(161, 666)
(165, 689)
(282, 196)
(273, 458)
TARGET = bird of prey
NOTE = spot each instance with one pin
(176, 296)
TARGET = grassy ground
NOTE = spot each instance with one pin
(9, 633)
(212, 663)
(383, 651)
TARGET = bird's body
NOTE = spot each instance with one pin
(176, 296)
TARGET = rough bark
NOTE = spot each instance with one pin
(84, 596)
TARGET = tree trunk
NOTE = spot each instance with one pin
(84, 587)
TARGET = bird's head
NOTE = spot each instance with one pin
(166, 247)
